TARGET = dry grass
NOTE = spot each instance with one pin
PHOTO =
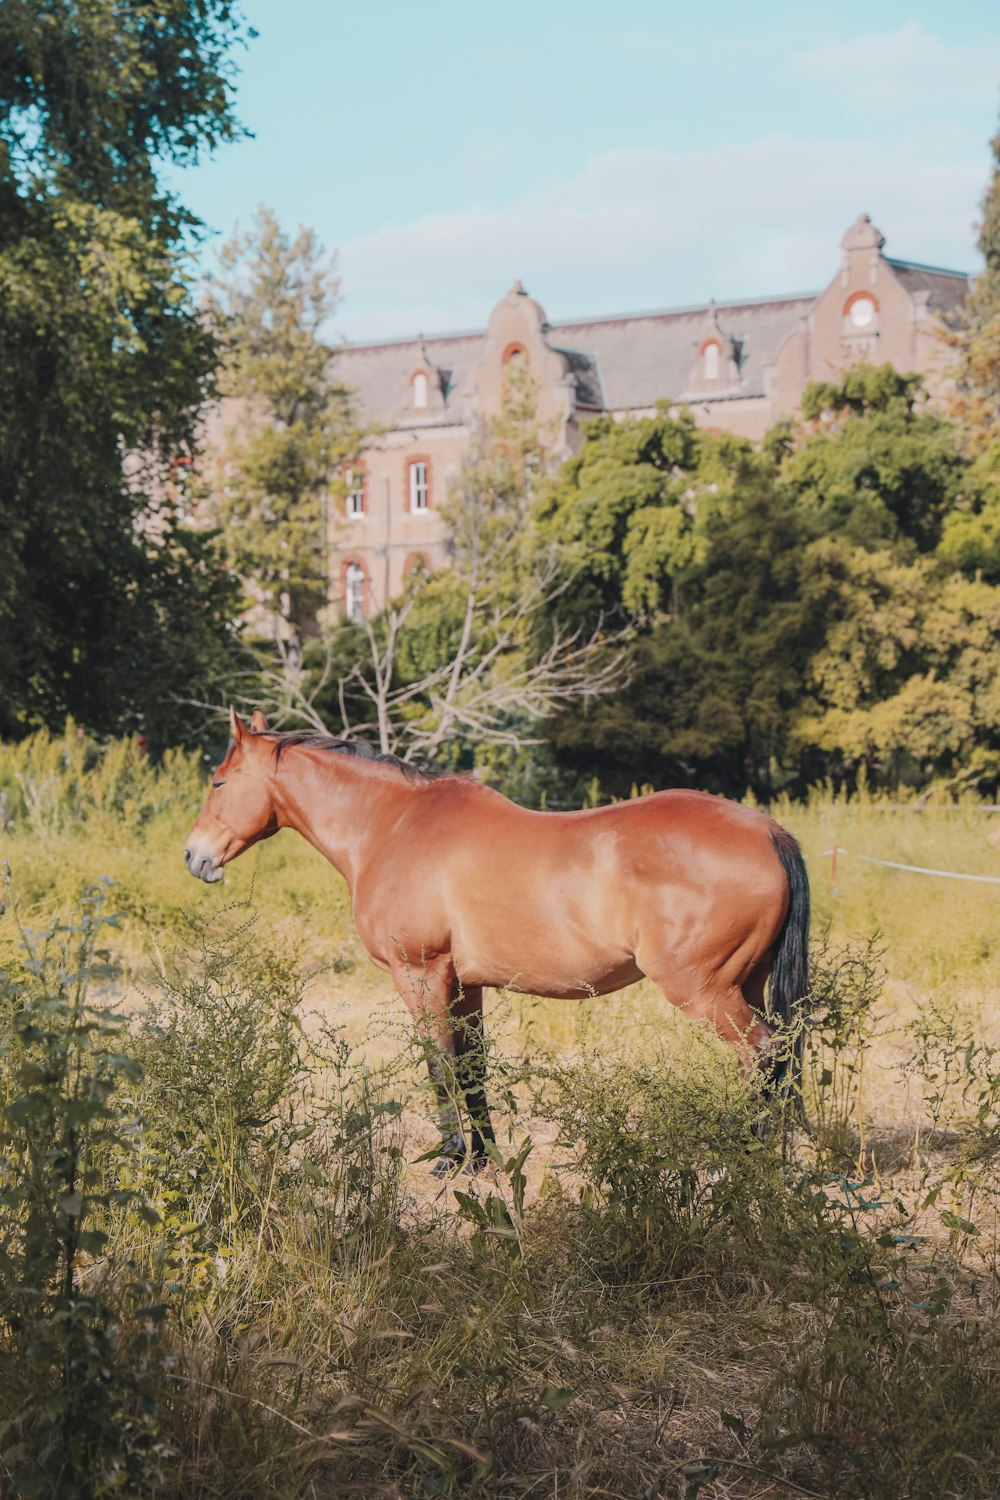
(658, 1307)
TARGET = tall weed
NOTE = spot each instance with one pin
(843, 1021)
(52, 784)
(77, 1320)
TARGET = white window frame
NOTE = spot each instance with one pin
(355, 580)
(419, 487)
(712, 357)
(420, 389)
(864, 324)
(354, 500)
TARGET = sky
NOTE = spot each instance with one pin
(614, 158)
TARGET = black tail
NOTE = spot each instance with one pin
(790, 967)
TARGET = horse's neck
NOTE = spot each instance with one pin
(332, 800)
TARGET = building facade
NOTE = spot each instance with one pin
(740, 367)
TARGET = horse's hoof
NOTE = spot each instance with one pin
(446, 1166)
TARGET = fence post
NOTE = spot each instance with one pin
(833, 868)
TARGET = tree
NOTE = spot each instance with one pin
(102, 355)
(718, 670)
(625, 511)
(873, 464)
(976, 337)
(971, 538)
(292, 426)
(761, 660)
(907, 681)
(468, 657)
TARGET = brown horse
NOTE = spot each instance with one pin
(454, 887)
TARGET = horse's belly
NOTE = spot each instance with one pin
(556, 978)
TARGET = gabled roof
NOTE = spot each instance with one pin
(379, 374)
(618, 363)
(947, 289)
(586, 373)
(649, 357)
(627, 362)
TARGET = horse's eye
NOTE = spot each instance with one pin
(216, 785)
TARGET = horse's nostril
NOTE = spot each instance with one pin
(187, 856)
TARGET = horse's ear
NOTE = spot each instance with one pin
(237, 728)
(258, 724)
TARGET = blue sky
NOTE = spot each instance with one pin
(614, 158)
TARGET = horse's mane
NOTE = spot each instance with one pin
(284, 739)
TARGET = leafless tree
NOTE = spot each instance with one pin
(493, 688)
(514, 665)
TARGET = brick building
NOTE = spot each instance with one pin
(739, 367)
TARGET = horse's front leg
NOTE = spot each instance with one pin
(470, 1049)
(428, 985)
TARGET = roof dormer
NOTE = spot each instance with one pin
(429, 386)
(718, 356)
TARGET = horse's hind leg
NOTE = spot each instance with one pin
(470, 1053)
(735, 1011)
(739, 1023)
(770, 1060)
(738, 1016)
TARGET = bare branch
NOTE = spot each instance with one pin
(499, 684)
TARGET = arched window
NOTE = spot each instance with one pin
(514, 354)
(416, 568)
(861, 311)
(354, 591)
(418, 385)
(710, 356)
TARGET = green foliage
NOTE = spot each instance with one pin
(226, 1008)
(800, 607)
(626, 509)
(863, 391)
(106, 608)
(719, 553)
(51, 785)
(668, 1160)
(879, 470)
(907, 679)
(975, 337)
(846, 986)
(293, 427)
(76, 1316)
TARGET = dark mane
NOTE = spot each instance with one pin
(283, 739)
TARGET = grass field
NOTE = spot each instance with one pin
(224, 1270)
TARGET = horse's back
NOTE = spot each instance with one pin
(563, 902)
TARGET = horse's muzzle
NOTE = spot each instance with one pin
(203, 866)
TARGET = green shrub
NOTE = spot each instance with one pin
(78, 1356)
(55, 783)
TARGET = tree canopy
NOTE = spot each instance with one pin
(108, 610)
(801, 611)
(289, 424)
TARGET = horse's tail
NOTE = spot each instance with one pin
(789, 988)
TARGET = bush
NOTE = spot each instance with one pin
(51, 784)
(77, 1320)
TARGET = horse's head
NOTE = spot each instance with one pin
(239, 810)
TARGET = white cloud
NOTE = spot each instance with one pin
(902, 69)
(658, 228)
